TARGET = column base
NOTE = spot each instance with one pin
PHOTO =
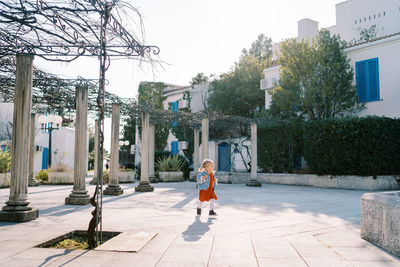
(113, 190)
(153, 179)
(19, 215)
(94, 181)
(253, 183)
(32, 182)
(144, 187)
(77, 199)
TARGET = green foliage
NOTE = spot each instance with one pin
(129, 130)
(238, 92)
(75, 242)
(315, 80)
(42, 176)
(106, 177)
(169, 163)
(362, 146)
(5, 160)
(199, 79)
(260, 48)
(368, 34)
(280, 146)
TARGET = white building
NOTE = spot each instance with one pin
(376, 76)
(63, 142)
(228, 155)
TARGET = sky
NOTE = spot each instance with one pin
(198, 36)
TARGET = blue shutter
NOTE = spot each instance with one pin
(373, 80)
(174, 107)
(174, 148)
(361, 81)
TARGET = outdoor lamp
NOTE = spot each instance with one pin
(50, 120)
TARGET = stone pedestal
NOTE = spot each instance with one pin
(253, 178)
(32, 181)
(79, 194)
(17, 208)
(204, 139)
(113, 187)
(144, 185)
(96, 153)
(152, 177)
(196, 164)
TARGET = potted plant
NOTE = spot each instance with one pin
(126, 175)
(170, 169)
(5, 165)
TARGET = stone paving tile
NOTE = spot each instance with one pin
(232, 251)
(282, 225)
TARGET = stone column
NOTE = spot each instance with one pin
(113, 187)
(96, 153)
(79, 194)
(17, 208)
(204, 139)
(196, 164)
(253, 178)
(144, 185)
(152, 177)
(32, 148)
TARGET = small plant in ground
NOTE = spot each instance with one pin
(106, 176)
(176, 163)
(42, 176)
(75, 242)
(5, 160)
(162, 164)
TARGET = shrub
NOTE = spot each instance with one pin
(5, 160)
(42, 176)
(353, 146)
(280, 146)
(106, 176)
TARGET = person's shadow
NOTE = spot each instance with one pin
(197, 229)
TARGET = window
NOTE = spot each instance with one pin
(374, 16)
(369, 17)
(365, 19)
(355, 22)
(367, 80)
(384, 13)
(360, 20)
(379, 15)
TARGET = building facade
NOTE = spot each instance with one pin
(374, 60)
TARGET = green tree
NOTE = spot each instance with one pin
(238, 92)
(260, 48)
(368, 33)
(199, 79)
(315, 80)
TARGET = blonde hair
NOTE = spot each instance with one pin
(204, 163)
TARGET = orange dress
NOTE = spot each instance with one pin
(206, 195)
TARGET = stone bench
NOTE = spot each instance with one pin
(380, 223)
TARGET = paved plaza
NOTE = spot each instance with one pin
(274, 225)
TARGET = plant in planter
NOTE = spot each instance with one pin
(42, 176)
(126, 175)
(5, 165)
(170, 169)
(60, 174)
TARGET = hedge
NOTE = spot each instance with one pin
(280, 146)
(353, 146)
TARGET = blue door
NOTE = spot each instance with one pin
(224, 157)
(45, 158)
(174, 148)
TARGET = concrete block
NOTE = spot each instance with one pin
(126, 177)
(380, 213)
(171, 176)
(61, 177)
(5, 179)
(19, 216)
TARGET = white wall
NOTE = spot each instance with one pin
(388, 53)
(199, 95)
(385, 14)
